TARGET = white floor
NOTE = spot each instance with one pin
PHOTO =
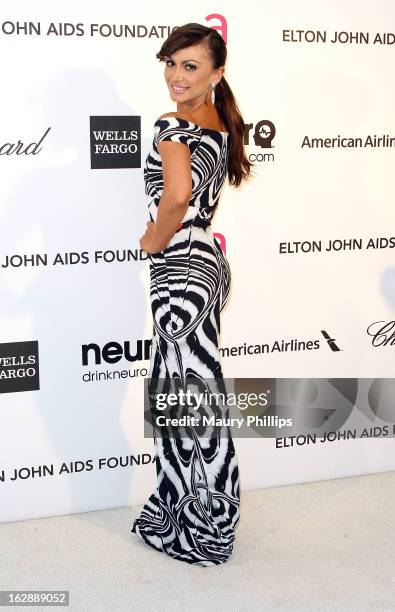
(327, 545)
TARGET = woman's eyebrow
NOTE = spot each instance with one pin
(184, 61)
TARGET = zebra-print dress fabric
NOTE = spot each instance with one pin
(194, 510)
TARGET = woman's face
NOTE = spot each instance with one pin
(189, 74)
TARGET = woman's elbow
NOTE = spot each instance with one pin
(178, 199)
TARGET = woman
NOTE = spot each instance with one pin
(193, 513)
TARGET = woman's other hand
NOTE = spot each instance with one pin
(147, 241)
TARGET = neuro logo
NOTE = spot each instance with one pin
(112, 352)
(331, 341)
(115, 141)
(264, 133)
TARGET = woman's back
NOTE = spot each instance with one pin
(209, 157)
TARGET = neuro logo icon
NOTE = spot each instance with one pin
(331, 341)
(264, 133)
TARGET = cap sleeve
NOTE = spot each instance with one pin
(175, 129)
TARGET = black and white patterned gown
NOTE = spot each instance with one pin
(194, 510)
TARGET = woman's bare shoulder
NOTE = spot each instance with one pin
(175, 114)
(215, 121)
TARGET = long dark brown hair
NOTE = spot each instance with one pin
(239, 166)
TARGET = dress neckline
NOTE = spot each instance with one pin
(197, 125)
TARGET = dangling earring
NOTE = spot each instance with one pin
(212, 93)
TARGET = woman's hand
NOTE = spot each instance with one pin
(147, 241)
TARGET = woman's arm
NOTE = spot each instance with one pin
(177, 191)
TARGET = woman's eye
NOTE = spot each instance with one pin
(172, 64)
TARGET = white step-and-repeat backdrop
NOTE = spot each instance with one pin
(310, 239)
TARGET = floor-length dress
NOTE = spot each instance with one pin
(194, 510)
